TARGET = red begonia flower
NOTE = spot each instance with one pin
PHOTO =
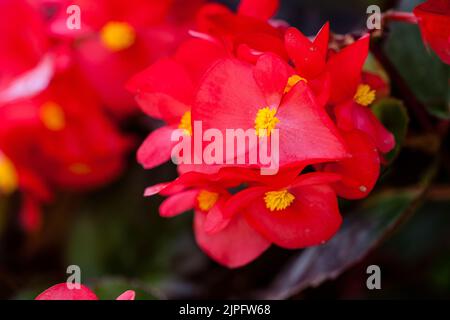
(51, 144)
(237, 95)
(434, 23)
(301, 213)
(118, 39)
(75, 151)
(61, 291)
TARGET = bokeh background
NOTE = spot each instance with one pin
(117, 238)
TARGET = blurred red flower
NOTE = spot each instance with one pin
(59, 139)
(119, 38)
(434, 23)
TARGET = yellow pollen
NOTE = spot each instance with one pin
(117, 36)
(278, 200)
(80, 168)
(185, 123)
(52, 116)
(364, 95)
(265, 121)
(207, 199)
(292, 81)
(8, 176)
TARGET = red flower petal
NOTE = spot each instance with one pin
(228, 97)
(197, 56)
(345, 69)
(157, 148)
(236, 245)
(311, 219)
(172, 84)
(272, 74)
(178, 203)
(309, 57)
(216, 219)
(62, 292)
(262, 9)
(127, 295)
(304, 127)
(359, 173)
(434, 23)
(351, 116)
(162, 106)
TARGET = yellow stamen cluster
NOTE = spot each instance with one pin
(265, 121)
(80, 168)
(185, 123)
(278, 200)
(364, 95)
(207, 199)
(52, 116)
(292, 81)
(8, 176)
(117, 36)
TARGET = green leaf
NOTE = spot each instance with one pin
(361, 232)
(394, 116)
(424, 73)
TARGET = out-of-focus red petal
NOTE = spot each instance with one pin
(262, 9)
(236, 245)
(62, 292)
(24, 39)
(169, 81)
(30, 214)
(157, 148)
(216, 219)
(152, 190)
(127, 295)
(178, 203)
(250, 46)
(198, 55)
(166, 76)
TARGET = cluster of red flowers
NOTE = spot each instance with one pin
(62, 89)
(241, 71)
